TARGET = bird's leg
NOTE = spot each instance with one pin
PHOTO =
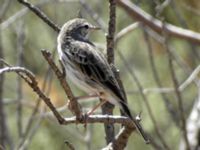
(97, 106)
(92, 110)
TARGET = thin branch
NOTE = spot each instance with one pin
(193, 125)
(137, 13)
(73, 105)
(107, 108)
(109, 119)
(24, 11)
(2, 110)
(178, 94)
(40, 14)
(93, 14)
(20, 48)
(168, 104)
(126, 31)
(4, 8)
(111, 32)
(121, 139)
(30, 79)
(134, 77)
(28, 131)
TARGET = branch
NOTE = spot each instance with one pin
(193, 126)
(178, 94)
(107, 108)
(156, 77)
(111, 32)
(30, 79)
(40, 14)
(108, 119)
(137, 13)
(126, 31)
(140, 88)
(73, 105)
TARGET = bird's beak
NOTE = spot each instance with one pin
(95, 28)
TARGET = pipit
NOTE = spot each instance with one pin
(88, 68)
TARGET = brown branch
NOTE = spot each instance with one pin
(121, 139)
(111, 32)
(40, 14)
(73, 105)
(30, 79)
(107, 108)
(137, 13)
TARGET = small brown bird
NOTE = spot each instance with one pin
(87, 67)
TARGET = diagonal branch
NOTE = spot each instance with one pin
(73, 105)
(155, 24)
(30, 79)
(40, 14)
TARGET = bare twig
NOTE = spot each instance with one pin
(93, 14)
(193, 126)
(74, 106)
(126, 30)
(134, 77)
(40, 14)
(4, 8)
(20, 47)
(30, 79)
(178, 94)
(168, 104)
(101, 119)
(121, 139)
(24, 11)
(156, 24)
(5, 137)
(28, 132)
(107, 108)
(2, 111)
(111, 32)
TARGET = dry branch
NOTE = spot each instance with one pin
(155, 24)
(30, 79)
(73, 105)
(40, 14)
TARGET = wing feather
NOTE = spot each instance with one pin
(94, 65)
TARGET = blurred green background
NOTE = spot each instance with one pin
(23, 35)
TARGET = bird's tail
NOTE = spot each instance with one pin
(136, 123)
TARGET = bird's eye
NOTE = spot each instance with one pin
(86, 26)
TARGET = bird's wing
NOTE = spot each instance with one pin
(94, 65)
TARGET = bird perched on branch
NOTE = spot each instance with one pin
(88, 68)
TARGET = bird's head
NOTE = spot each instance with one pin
(77, 28)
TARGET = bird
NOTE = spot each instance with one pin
(88, 68)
